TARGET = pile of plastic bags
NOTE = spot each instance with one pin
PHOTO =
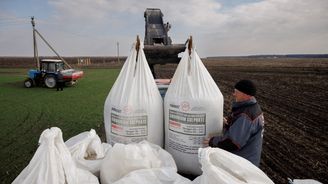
(83, 157)
(143, 163)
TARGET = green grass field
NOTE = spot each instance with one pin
(25, 113)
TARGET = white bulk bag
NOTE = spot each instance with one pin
(87, 150)
(220, 166)
(153, 176)
(134, 108)
(193, 110)
(52, 163)
(122, 159)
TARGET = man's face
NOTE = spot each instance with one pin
(240, 96)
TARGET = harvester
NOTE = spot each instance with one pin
(158, 45)
(46, 71)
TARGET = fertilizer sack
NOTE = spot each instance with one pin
(52, 163)
(193, 110)
(134, 108)
(220, 166)
(123, 159)
(87, 151)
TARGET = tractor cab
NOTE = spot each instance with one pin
(51, 65)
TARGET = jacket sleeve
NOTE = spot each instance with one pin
(236, 136)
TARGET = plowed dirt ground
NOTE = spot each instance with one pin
(293, 95)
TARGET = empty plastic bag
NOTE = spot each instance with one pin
(123, 159)
(223, 167)
(88, 151)
(52, 163)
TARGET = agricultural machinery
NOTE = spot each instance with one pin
(158, 45)
(47, 70)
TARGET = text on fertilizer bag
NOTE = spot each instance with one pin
(130, 126)
(187, 123)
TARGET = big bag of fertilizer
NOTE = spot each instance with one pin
(52, 163)
(193, 110)
(220, 166)
(134, 107)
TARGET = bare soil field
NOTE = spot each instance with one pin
(293, 95)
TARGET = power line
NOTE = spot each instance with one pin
(12, 21)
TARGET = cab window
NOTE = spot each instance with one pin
(52, 67)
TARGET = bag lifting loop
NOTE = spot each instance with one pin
(138, 44)
(190, 45)
(137, 49)
(189, 52)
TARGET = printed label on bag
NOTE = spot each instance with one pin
(187, 123)
(186, 131)
(185, 143)
(129, 126)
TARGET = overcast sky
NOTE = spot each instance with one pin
(219, 27)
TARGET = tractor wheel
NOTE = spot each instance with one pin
(28, 83)
(50, 81)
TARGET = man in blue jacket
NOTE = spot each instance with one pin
(243, 129)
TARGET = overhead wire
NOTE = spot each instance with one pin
(12, 21)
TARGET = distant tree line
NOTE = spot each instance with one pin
(8, 61)
(275, 56)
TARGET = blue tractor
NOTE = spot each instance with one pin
(47, 74)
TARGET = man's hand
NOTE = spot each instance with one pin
(225, 122)
(206, 141)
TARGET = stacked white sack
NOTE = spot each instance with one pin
(133, 109)
(220, 166)
(193, 110)
(88, 151)
(125, 163)
(52, 163)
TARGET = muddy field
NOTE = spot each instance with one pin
(293, 95)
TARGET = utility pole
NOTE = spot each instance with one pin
(36, 56)
(35, 46)
(118, 52)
